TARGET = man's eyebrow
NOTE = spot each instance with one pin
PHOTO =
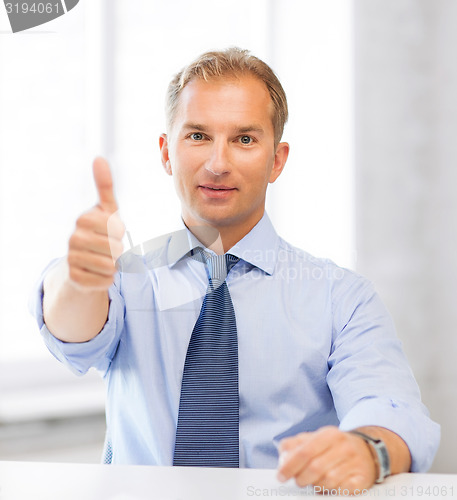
(194, 126)
(251, 128)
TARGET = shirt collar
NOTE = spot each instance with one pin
(258, 248)
(181, 244)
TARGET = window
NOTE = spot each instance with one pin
(93, 82)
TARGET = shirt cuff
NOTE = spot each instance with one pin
(413, 425)
(80, 356)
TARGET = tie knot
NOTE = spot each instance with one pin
(217, 268)
(218, 265)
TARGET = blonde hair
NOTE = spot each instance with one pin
(232, 62)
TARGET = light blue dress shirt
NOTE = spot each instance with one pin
(316, 347)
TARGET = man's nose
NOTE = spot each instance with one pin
(219, 161)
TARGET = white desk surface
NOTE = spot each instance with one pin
(47, 481)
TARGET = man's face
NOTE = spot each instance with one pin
(221, 153)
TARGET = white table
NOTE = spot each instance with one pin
(45, 481)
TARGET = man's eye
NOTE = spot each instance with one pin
(245, 139)
(196, 136)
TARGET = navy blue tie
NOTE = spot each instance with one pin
(207, 434)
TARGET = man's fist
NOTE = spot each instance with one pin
(96, 242)
(327, 458)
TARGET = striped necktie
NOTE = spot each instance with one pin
(207, 433)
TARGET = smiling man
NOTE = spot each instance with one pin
(223, 345)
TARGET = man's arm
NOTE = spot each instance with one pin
(330, 458)
(75, 300)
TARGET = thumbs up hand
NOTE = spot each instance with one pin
(96, 242)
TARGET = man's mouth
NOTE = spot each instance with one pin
(217, 188)
(216, 191)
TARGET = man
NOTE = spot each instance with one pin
(317, 356)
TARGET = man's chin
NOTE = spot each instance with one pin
(220, 221)
(223, 218)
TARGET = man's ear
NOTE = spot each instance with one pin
(163, 143)
(282, 152)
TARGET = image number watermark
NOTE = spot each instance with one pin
(418, 490)
(27, 14)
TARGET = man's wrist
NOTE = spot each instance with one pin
(379, 453)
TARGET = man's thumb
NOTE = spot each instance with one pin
(104, 184)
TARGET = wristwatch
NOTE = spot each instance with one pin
(381, 455)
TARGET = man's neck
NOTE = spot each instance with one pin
(219, 239)
(209, 236)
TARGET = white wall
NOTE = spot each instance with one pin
(406, 178)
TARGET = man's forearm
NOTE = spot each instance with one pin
(72, 314)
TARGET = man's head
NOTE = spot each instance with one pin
(222, 147)
(229, 63)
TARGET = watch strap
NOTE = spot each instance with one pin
(381, 454)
